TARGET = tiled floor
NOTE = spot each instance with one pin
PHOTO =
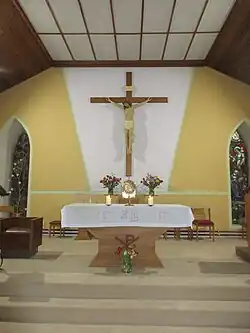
(203, 287)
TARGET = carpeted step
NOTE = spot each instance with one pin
(124, 316)
(64, 328)
(146, 292)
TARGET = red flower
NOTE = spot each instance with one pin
(118, 250)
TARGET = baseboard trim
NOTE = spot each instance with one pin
(170, 233)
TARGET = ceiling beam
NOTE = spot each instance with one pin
(114, 28)
(131, 63)
(230, 53)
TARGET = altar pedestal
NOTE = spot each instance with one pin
(119, 226)
(244, 252)
(109, 239)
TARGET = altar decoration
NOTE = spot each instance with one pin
(151, 182)
(108, 200)
(110, 182)
(128, 191)
(127, 254)
(150, 200)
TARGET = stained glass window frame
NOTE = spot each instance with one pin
(239, 176)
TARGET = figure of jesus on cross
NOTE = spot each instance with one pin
(128, 104)
(128, 109)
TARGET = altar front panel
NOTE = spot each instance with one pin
(117, 215)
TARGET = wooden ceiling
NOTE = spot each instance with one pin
(38, 34)
(230, 53)
(22, 54)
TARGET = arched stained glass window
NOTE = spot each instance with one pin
(19, 179)
(238, 155)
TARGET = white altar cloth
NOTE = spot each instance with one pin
(83, 215)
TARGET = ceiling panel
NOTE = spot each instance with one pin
(157, 15)
(127, 15)
(94, 9)
(186, 15)
(80, 47)
(39, 15)
(177, 46)
(128, 47)
(68, 15)
(201, 46)
(152, 46)
(104, 47)
(56, 47)
(215, 14)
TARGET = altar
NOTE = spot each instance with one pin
(119, 226)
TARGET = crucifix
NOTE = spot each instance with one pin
(128, 104)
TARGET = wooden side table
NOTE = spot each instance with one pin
(53, 225)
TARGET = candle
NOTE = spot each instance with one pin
(108, 200)
(150, 200)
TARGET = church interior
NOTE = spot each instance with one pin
(125, 167)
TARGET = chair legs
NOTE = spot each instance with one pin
(177, 234)
(53, 228)
(197, 232)
(190, 233)
(211, 232)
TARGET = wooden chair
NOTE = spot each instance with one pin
(202, 220)
(53, 226)
(177, 233)
(20, 236)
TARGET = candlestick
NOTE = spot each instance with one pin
(108, 200)
(150, 200)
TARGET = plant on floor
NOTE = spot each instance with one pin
(126, 254)
(110, 182)
(151, 182)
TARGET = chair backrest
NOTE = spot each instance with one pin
(202, 213)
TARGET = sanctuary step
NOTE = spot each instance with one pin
(65, 328)
(97, 302)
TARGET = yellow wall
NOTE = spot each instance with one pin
(216, 105)
(42, 105)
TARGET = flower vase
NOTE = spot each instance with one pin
(110, 191)
(151, 192)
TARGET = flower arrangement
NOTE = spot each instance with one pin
(126, 253)
(151, 182)
(110, 182)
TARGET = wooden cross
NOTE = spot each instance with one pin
(129, 99)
